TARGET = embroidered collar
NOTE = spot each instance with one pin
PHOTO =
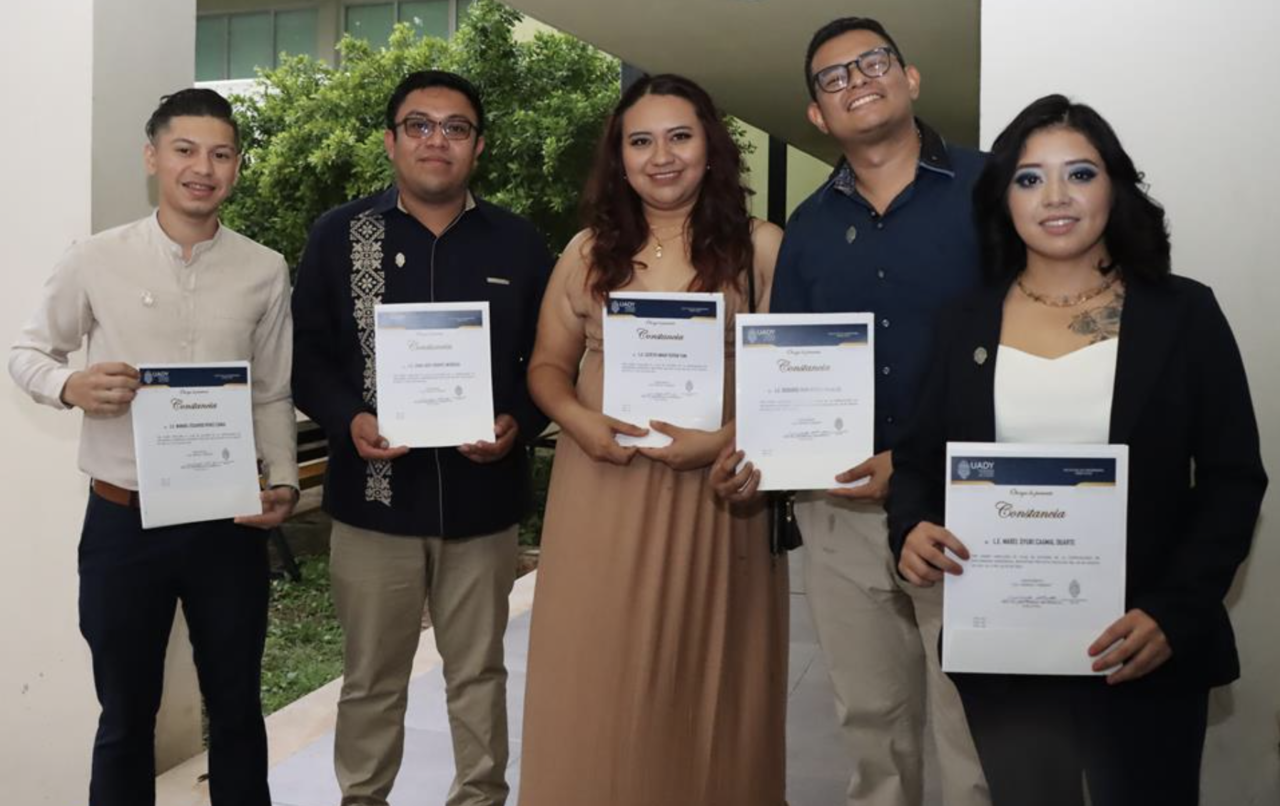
(390, 200)
(933, 157)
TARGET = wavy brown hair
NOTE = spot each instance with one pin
(720, 228)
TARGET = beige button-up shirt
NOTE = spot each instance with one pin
(131, 293)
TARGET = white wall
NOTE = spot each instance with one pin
(47, 704)
(1190, 90)
(76, 84)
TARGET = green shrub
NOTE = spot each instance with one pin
(313, 135)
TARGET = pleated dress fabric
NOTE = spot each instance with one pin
(658, 656)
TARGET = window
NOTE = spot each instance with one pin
(373, 22)
(235, 45)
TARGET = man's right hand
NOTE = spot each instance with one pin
(370, 444)
(102, 390)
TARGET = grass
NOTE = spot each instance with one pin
(304, 641)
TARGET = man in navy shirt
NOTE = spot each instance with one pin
(891, 233)
(430, 525)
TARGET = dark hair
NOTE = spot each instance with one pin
(1136, 235)
(426, 79)
(720, 245)
(199, 103)
(843, 26)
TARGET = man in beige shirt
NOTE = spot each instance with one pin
(173, 287)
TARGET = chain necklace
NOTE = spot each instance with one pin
(658, 243)
(1066, 300)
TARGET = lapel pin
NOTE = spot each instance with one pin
(147, 299)
(851, 235)
(980, 356)
(400, 259)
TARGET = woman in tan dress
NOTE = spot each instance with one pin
(657, 663)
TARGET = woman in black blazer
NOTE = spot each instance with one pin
(1078, 257)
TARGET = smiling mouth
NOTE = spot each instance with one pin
(863, 100)
(664, 176)
(1060, 224)
(198, 187)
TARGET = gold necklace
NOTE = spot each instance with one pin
(1066, 300)
(658, 242)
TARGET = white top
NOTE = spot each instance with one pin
(129, 292)
(1055, 400)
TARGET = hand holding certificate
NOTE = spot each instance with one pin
(193, 439)
(664, 360)
(805, 396)
(435, 387)
(1045, 530)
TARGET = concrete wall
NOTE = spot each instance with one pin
(1188, 88)
(77, 87)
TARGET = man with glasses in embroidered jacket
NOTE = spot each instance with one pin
(436, 525)
(176, 286)
(891, 232)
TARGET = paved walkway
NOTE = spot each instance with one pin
(302, 735)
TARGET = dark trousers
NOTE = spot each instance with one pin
(130, 583)
(1135, 743)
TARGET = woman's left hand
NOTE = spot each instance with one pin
(690, 448)
(1142, 647)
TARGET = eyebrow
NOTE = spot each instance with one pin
(681, 128)
(413, 113)
(1068, 163)
(188, 141)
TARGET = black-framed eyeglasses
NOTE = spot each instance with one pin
(872, 64)
(419, 126)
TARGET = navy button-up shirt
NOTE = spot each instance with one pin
(840, 255)
(371, 251)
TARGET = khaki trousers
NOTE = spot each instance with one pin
(380, 584)
(879, 634)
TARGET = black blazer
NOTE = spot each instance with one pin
(1181, 403)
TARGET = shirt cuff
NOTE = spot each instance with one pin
(50, 391)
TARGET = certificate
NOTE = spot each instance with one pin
(805, 386)
(1045, 529)
(664, 360)
(435, 387)
(193, 439)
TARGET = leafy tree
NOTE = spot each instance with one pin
(313, 134)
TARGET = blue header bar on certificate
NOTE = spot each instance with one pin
(430, 320)
(193, 376)
(1038, 471)
(808, 335)
(622, 305)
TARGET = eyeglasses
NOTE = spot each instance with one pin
(872, 64)
(417, 127)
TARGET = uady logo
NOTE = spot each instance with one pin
(975, 468)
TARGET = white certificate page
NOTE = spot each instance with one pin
(435, 385)
(1045, 529)
(805, 396)
(193, 439)
(664, 360)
